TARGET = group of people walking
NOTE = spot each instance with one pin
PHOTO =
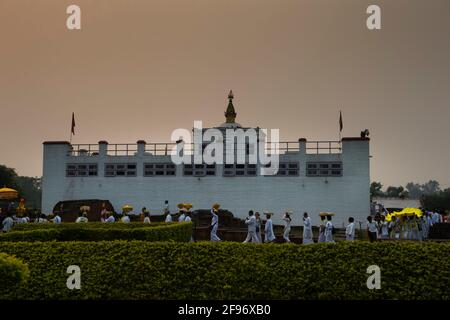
(401, 227)
(255, 226)
(11, 220)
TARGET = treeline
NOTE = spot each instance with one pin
(29, 187)
(431, 195)
(409, 191)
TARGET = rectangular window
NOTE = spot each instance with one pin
(286, 169)
(324, 169)
(82, 170)
(159, 169)
(199, 170)
(120, 170)
(239, 170)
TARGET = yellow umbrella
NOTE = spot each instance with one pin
(323, 214)
(7, 193)
(127, 208)
(85, 208)
(410, 212)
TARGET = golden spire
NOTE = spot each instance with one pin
(230, 114)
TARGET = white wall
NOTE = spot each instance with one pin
(346, 196)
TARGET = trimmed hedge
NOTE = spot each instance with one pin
(84, 232)
(91, 225)
(205, 270)
(12, 272)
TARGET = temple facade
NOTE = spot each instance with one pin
(313, 176)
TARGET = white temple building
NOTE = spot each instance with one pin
(313, 176)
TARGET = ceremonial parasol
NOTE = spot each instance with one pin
(180, 206)
(85, 208)
(7, 193)
(127, 208)
(324, 214)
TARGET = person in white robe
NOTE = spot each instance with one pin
(258, 226)
(329, 230)
(322, 229)
(41, 219)
(287, 226)
(25, 220)
(166, 207)
(56, 219)
(168, 217)
(7, 223)
(430, 219)
(425, 226)
(125, 219)
(269, 235)
(182, 216)
(110, 218)
(384, 228)
(82, 218)
(214, 224)
(307, 229)
(147, 217)
(350, 230)
(397, 227)
(250, 221)
(19, 220)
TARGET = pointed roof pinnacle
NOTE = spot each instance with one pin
(230, 114)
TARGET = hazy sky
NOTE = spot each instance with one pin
(139, 69)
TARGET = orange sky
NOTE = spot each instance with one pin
(139, 69)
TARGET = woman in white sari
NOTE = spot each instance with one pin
(287, 226)
(269, 236)
(215, 222)
(307, 229)
(322, 229)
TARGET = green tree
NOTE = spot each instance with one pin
(375, 189)
(414, 190)
(438, 200)
(395, 192)
(430, 187)
(8, 177)
(30, 189)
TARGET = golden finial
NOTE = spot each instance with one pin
(230, 114)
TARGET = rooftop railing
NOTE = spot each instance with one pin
(84, 150)
(323, 147)
(167, 149)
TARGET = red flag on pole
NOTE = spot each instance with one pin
(341, 124)
(73, 123)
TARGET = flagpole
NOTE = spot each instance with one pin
(72, 127)
(340, 128)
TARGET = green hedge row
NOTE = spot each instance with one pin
(73, 225)
(205, 270)
(13, 272)
(83, 232)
